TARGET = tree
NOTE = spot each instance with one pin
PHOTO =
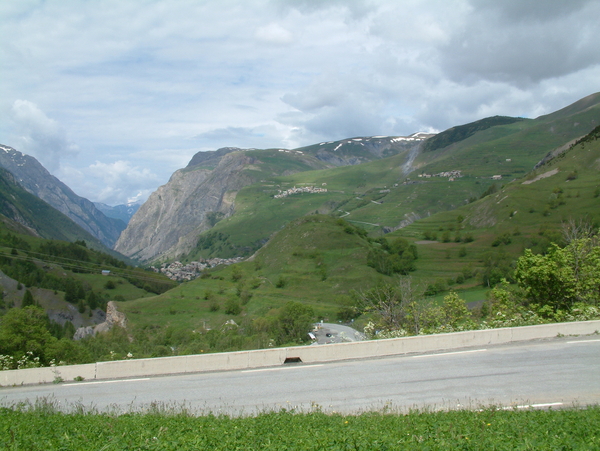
(236, 273)
(232, 307)
(415, 317)
(384, 301)
(497, 266)
(92, 300)
(26, 330)
(563, 276)
(27, 299)
(395, 307)
(72, 290)
(110, 285)
(294, 321)
(455, 310)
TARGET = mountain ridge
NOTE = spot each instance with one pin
(204, 192)
(36, 217)
(34, 178)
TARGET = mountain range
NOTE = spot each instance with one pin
(123, 212)
(229, 202)
(34, 178)
(204, 193)
(316, 225)
(380, 183)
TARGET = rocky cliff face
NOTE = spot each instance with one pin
(170, 221)
(32, 176)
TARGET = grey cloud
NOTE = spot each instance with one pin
(531, 10)
(524, 50)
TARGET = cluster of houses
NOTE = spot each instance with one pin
(179, 272)
(450, 174)
(294, 190)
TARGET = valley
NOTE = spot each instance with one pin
(246, 248)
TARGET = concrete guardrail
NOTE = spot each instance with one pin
(278, 356)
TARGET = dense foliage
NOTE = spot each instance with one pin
(26, 341)
(563, 276)
(395, 258)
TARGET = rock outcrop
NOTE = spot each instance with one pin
(113, 318)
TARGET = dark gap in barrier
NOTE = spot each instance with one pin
(292, 360)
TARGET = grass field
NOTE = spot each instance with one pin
(42, 427)
(314, 261)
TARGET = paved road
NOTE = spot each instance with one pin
(558, 372)
(326, 333)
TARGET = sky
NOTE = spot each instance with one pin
(113, 96)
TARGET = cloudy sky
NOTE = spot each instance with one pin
(112, 96)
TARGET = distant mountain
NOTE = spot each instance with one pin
(353, 151)
(27, 214)
(32, 176)
(123, 212)
(204, 193)
(229, 202)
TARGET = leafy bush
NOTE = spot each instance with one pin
(232, 307)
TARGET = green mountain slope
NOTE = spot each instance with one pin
(36, 216)
(461, 132)
(205, 192)
(390, 193)
(524, 213)
(314, 244)
(317, 260)
(59, 263)
(314, 260)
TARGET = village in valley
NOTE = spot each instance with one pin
(185, 272)
(295, 190)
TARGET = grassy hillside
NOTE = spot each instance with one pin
(524, 213)
(312, 249)
(315, 260)
(391, 192)
(318, 260)
(65, 278)
(258, 213)
(461, 132)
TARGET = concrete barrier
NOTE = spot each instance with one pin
(307, 354)
(48, 374)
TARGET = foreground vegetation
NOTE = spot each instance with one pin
(159, 429)
(317, 269)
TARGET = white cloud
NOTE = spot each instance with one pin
(154, 82)
(40, 136)
(112, 183)
(274, 34)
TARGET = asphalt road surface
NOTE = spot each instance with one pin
(326, 333)
(558, 372)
